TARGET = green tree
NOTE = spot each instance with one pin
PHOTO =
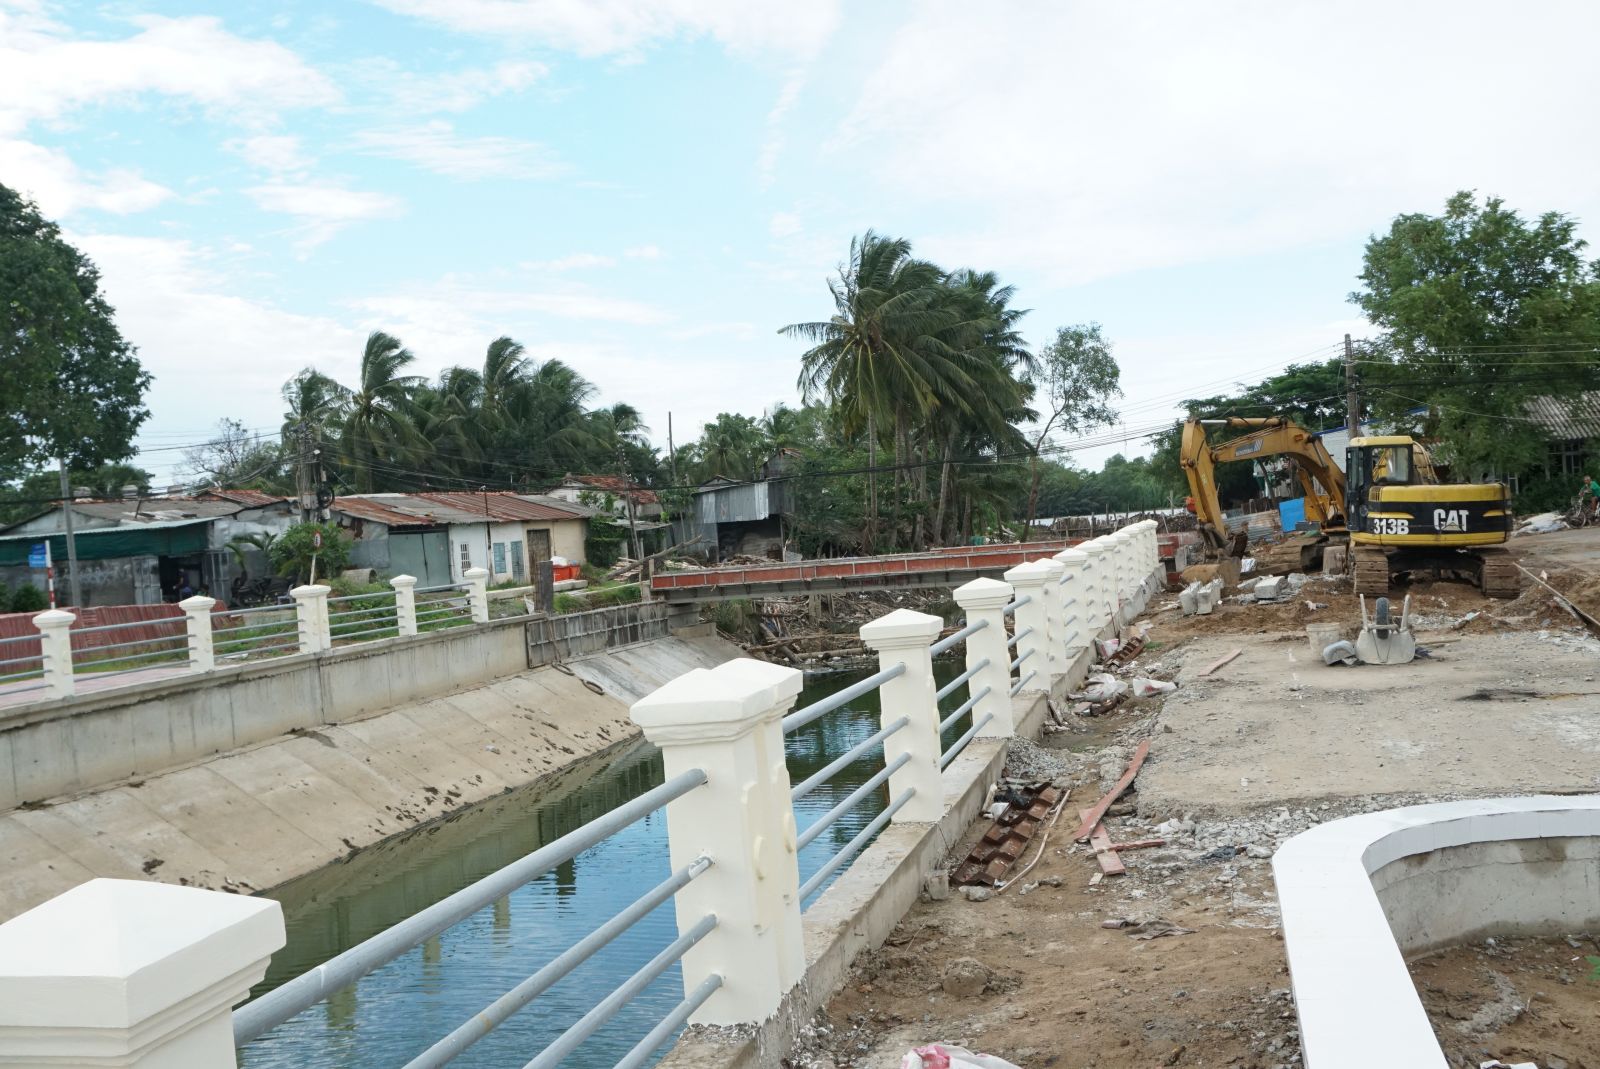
(1073, 384)
(376, 421)
(39, 491)
(291, 552)
(1481, 310)
(72, 386)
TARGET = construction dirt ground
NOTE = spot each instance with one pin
(1180, 961)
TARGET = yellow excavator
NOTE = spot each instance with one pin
(1388, 505)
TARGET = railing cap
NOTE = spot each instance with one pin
(983, 593)
(475, 573)
(1072, 558)
(116, 953)
(901, 629)
(313, 590)
(53, 618)
(1032, 573)
(717, 704)
(198, 603)
(403, 580)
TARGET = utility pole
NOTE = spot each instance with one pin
(305, 488)
(1352, 400)
(672, 452)
(627, 498)
(72, 545)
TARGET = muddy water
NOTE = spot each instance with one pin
(395, 1013)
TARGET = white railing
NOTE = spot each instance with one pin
(731, 826)
(206, 635)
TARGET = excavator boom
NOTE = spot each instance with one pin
(1318, 475)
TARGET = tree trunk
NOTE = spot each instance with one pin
(901, 441)
(1033, 493)
(872, 486)
(944, 491)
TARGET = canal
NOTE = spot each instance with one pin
(394, 1013)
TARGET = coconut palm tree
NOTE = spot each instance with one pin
(376, 419)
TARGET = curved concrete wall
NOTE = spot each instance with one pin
(1358, 893)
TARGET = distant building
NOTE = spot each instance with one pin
(144, 550)
(609, 493)
(737, 518)
(1573, 428)
(438, 536)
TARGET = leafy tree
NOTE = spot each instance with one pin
(237, 459)
(376, 420)
(72, 386)
(28, 598)
(1481, 310)
(292, 551)
(40, 490)
(733, 447)
(1073, 384)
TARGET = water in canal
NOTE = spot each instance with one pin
(396, 1012)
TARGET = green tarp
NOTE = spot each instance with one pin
(107, 543)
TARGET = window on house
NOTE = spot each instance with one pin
(499, 558)
(518, 564)
(1569, 456)
(466, 557)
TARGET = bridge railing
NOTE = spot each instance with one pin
(732, 840)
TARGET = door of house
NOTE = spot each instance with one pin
(424, 554)
(538, 547)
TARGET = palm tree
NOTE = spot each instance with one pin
(312, 398)
(448, 418)
(377, 418)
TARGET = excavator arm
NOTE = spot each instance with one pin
(1318, 475)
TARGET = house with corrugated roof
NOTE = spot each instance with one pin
(1572, 426)
(437, 536)
(143, 550)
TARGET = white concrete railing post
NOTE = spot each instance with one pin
(405, 603)
(55, 648)
(132, 973)
(1124, 568)
(197, 622)
(986, 600)
(1100, 600)
(1055, 661)
(311, 612)
(727, 721)
(478, 593)
(903, 637)
(1074, 634)
(1032, 623)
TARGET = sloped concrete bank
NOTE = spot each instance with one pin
(253, 818)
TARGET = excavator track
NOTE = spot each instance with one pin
(1371, 571)
(1500, 577)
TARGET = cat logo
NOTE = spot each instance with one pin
(1450, 520)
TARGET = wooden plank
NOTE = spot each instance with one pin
(1139, 844)
(1100, 807)
(1220, 662)
(1100, 840)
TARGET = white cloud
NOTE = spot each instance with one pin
(785, 225)
(610, 27)
(45, 74)
(643, 252)
(52, 180)
(1121, 138)
(278, 153)
(436, 147)
(773, 143)
(576, 262)
(456, 91)
(462, 311)
(323, 208)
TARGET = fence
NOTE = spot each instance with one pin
(61, 652)
(732, 836)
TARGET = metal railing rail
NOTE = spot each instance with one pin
(962, 709)
(844, 760)
(961, 744)
(951, 641)
(1012, 607)
(1023, 656)
(498, 1011)
(264, 636)
(828, 819)
(801, 717)
(96, 657)
(950, 687)
(854, 846)
(1023, 682)
(1011, 643)
(670, 1023)
(311, 987)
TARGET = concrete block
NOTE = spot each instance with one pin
(1270, 588)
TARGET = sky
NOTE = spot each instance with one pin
(649, 189)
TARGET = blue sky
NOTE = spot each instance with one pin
(648, 189)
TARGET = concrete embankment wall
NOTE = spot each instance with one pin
(255, 817)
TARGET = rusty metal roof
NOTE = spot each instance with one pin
(247, 498)
(431, 509)
(502, 506)
(615, 484)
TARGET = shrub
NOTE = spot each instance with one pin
(292, 551)
(28, 598)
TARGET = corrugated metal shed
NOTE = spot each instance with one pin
(1564, 418)
(501, 506)
(733, 503)
(248, 498)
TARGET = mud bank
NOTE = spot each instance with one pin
(252, 819)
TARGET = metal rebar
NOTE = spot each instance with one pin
(950, 687)
(960, 636)
(159, 621)
(961, 743)
(670, 1023)
(1023, 682)
(342, 970)
(828, 819)
(854, 845)
(944, 725)
(801, 717)
(844, 760)
(496, 1013)
(612, 1004)
(1011, 643)
(1011, 609)
(361, 634)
